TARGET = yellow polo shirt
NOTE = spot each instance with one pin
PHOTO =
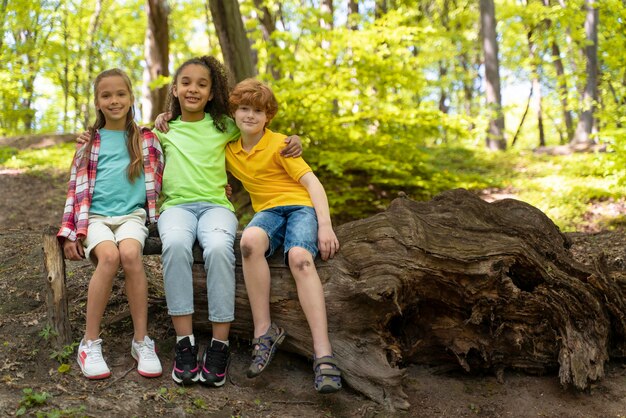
(271, 180)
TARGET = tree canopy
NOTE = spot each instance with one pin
(380, 88)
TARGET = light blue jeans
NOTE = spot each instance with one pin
(215, 228)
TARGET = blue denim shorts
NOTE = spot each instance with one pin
(289, 226)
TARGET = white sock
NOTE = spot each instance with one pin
(192, 339)
(223, 342)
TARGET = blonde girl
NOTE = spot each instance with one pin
(114, 182)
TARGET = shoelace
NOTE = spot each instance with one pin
(94, 350)
(146, 350)
(185, 355)
(216, 359)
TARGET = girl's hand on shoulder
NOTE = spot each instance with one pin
(83, 138)
(73, 250)
(293, 147)
(229, 190)
(161, 121)
(327, 242)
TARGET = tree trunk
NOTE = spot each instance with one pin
(3, 19)
(94, 26)
(521, 122)
(233, 39)
(353, 15)
(56, 295)
(268, 27)
(562, 89)
(380, 8)
(536, 87)
(495, 135)
(583, 137)
(453, 281)
(156, 47)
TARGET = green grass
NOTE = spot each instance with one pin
(54, 158)
(563, 187)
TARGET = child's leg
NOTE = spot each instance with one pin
(108, 260)
(301, 247)
(136, 285)
(311, 297)
(177, 229)
(217, 227)
(256, 272)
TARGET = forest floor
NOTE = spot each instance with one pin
(31, 202)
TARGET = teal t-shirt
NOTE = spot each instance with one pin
(195, 162)
(114, 194)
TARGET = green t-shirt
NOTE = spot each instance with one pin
(195, 162)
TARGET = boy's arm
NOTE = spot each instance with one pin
(326, 238)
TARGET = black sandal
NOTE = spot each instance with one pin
(327, 380)
(266, 346)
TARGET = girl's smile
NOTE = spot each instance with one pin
(114, 101)
(193, 90)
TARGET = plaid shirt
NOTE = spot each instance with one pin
(83, 180)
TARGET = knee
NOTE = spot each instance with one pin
(176, 247)
(109, 258)
(131, 257)
(300, 259)
(253, 243)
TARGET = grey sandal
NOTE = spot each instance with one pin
(266, 346)
(327, 380)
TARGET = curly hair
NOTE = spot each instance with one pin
(217, 106)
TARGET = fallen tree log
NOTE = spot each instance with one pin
(455, 281)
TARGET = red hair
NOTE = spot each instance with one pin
(251, 92)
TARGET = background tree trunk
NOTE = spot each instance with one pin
(157, 51)
(233, 39)
(495, 134)
(453, 281)
(94, 26)
(590, 94)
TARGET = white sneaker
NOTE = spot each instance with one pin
(148, 364)
(91, 361)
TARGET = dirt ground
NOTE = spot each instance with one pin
(29, 203)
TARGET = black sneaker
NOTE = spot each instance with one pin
(215, 364)
(185, 369)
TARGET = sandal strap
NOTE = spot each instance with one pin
(329, 372)
(330, 360)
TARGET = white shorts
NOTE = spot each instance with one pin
(116, 228)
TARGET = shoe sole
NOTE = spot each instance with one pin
(221, 383)
(183, 381)
(93, 376)
(143, 372)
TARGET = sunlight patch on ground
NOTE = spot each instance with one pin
(12, 171)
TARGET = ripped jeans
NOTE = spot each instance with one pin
(215, 228)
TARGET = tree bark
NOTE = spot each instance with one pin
(56, 296)
(268, 26)
(453, 281)
(157, 49)
(233, 39)
(583, 137)
(94, 26)
(353, 15)
(495, 134)
(536, 87)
